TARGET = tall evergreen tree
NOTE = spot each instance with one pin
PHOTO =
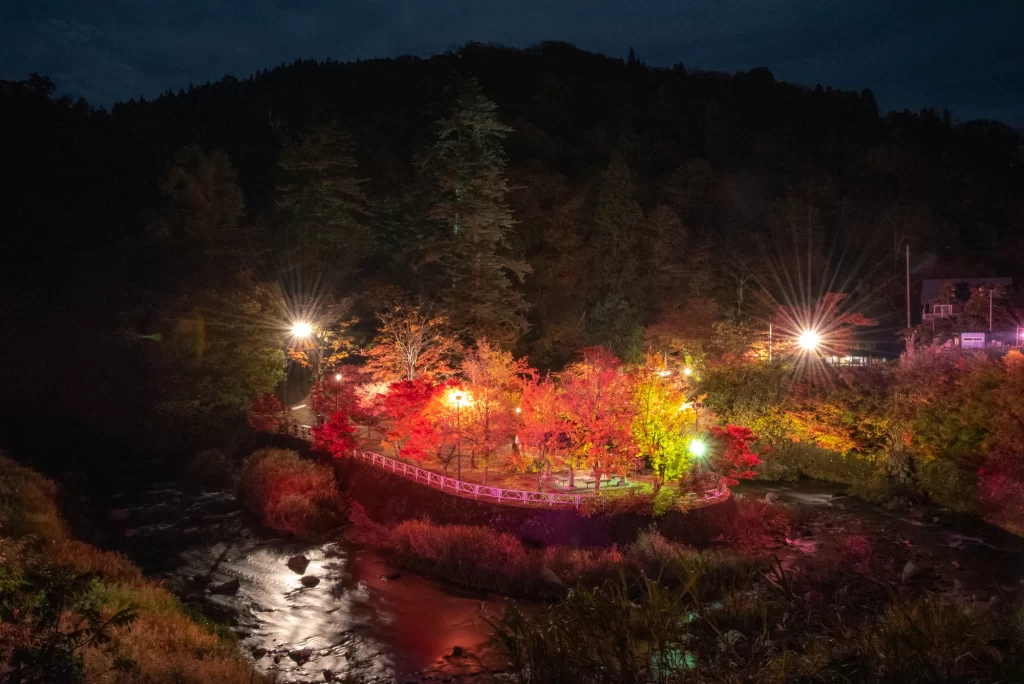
(617, 312)
(323, 200)
(472, 219)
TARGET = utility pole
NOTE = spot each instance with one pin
(908, 287)
(990, 309)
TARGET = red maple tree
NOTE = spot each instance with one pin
(731, 456)
(335, 436)
(403, 408)
(265, 414)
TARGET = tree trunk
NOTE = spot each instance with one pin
(597, 481)
(540, 479)
(572, 478)
(485, 473)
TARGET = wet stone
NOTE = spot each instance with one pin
(228, 588)
(301, 655)
(310, 581)
(298, 563)
(258, 653)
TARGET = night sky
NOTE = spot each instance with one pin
(956, 54)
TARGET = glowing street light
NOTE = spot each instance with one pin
(458, 398)
(697, 447)
(337, 377)
(301, 330)
(687, 371)
(809, 340)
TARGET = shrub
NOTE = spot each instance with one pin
(757, 522)
(28, 504)
(291, 494)
(948, 484)
(474, 556)
(207, 470)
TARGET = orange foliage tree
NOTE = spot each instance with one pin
(597, 408)
(412, 341)
(542, 430)
(494, 381)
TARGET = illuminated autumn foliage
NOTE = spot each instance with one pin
(598, 413)
(265, 414)
(412, 341)
(488, 420)
(731, 455)
(336, 436)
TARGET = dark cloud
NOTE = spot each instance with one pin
(963, 56)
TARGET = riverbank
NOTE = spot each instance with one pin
(73, 613)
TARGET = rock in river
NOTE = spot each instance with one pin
(229, 588)
(301, 655)
(310, 581)
(298, 563)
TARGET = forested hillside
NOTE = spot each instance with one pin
(547, 199)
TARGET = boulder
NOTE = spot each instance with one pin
(458, 652)
(229, 588)
(310, 581)
(391, 576)
(771, 497)
(258, 653)
(328, 676)
(910, 571)
(298, 563)
(301, 655)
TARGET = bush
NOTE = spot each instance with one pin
(72, 613)
(821, 464)
(477, 557)
(948, 484)
(208, 470)
(28, 504)
(757, 522)
(291, 494)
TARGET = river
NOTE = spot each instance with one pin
(365, 619)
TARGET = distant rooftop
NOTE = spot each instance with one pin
(930, 288)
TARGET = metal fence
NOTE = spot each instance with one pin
(510, 497)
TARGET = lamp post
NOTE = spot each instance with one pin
(300, 330)
(458, 431)
(337, 392)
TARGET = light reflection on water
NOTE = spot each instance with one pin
(355, 620)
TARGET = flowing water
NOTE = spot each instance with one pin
(365, 619)
(362, 618)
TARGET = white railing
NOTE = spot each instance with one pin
(511, 497)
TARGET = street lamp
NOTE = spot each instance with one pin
(458, 398)
(687, 371)
(698, 448)
(809, 340)
(337, 392)
(301, 330)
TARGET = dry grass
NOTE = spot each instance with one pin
(164, 644)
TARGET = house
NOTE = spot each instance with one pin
(945, 298)
(962, 312)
